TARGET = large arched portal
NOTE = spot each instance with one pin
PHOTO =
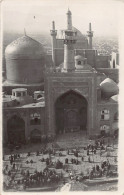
(71, 113)
(16, 130)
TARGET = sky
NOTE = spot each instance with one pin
(103, 14)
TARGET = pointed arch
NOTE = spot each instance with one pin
(16, 129)
(71, 112)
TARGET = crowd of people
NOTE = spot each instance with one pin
(49, 176)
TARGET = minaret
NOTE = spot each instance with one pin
(53, 33)
(90, 35)
(69, 41)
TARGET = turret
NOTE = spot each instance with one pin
(53, 33)
(90, 35)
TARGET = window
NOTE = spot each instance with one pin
(116, 116)
(79, 62)
(24, 93)
(35, 119)
(18, 94)
(105, 129)
(113, 63)
(105, 114)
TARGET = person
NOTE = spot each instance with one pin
(87, 152)
(28, 154)
(93, 168)
(37, 154)
(13, 165)
(31, 161)
(97, 167)
(89, 159)
(82, 158)
(94, 151)
(6, 167)
(76, 161)
(92, 148)
(66, 161)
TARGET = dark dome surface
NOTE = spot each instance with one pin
(24, 48)
(109, 88)
(25, 60)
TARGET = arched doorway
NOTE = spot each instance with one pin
(39, 96)
(71, 112)
(16, 130)
(113, 63)
(35, 136)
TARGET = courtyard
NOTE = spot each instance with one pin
(69, 160)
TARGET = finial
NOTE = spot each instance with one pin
(24, 32)
(90, 26)
(53, 25)
(68, 12)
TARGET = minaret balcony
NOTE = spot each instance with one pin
(90, 33)
(53, 32)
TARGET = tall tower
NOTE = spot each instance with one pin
(53, 33)
(69, 41)
(90, 35)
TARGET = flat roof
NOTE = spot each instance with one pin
(19, 89)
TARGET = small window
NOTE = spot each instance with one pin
(105, 114)
(105, 128)
(79, 62)
(35, 119)
(24, 93)
(18, 94)
(113, 63)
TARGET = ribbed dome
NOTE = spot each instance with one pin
(24, 48)
(108, 88)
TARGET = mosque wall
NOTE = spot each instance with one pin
(107, 120)
(59, 56)
(102, 62)
(58, 84)
(26, 114)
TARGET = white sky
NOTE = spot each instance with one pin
(103, 14)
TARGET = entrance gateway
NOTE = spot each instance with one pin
(71, 113)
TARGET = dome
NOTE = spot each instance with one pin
(25, 60)
(24, 48)
(108, 88)
(115, 98)
(79, 57)
(80, 36)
